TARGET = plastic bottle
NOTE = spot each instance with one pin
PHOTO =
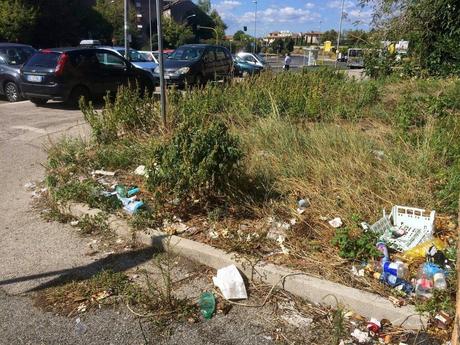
(207, 304)
(397, 268)
(424, 286)
(439, 281)
(382, 247)
(396, 282)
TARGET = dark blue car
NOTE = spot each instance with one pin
(243, 68)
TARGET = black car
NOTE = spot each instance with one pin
(196, 64)
(12, 57)
(66, 74)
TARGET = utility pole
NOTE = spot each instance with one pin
(150, 25)
(160, 55)
(340, 32)
(255, 25)
(126, 28)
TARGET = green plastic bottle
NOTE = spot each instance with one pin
(207, 304)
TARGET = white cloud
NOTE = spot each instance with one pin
(280, 15)
(338, 4)
(227, 5)
(309, 5)
(358, 15)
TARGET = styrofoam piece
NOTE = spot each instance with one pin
(230, 283)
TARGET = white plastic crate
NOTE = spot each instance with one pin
(417, 225)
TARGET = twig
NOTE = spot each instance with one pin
(149, 314)
(142, 330)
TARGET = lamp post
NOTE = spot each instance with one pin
(209, 28)
(255, 25)
(159, 8)
(340, 32)
(150, 26)
(126, 28)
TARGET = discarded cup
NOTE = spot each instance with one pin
(207, 304)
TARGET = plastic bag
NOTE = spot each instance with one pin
(230, 282)
(420, 250)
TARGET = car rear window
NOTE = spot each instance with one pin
(16, 55)
(44, 59)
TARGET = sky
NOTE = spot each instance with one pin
(292, 15)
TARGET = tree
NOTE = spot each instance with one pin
(17, 20)
(204, 5)
(431, 26)
(219, 24)
(112, 27)
(356, 38)
(241, 36)
(176, 34)
(329, 35)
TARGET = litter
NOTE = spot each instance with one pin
(82, 307)
(336, 222)
(420, 250)
(443, 320)
(302, 205)
(30, 186)
(361, 336)
(80, 327)
(141, 170)
(74, 222)
(127, 197)
(207, 304)
(103, 173)
(405, 227)
(356, 272)
(230, 283)
(374, 327)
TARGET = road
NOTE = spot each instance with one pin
(34, 253)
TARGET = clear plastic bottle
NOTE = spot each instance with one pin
(424, 286)
(439, 281)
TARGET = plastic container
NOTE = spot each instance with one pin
(382, 247)
(397, 283)
(439, 281)
(207, 304)
(397, 268)
(430, 269)
(424, 286)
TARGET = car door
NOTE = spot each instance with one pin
(113, 70)
(209, 64)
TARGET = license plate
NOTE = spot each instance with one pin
(35, 78)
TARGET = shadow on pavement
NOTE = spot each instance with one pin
(116, 262)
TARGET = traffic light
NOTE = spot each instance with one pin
(245, 28)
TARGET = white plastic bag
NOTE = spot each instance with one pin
(230, 283)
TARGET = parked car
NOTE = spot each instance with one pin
(252, 59)
(196, 64)
(150, 56)
(12, 57)
(136, 58)
(66, 74)
(243, 68)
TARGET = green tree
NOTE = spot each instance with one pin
(204, 5)
(17, 20)
(112, 27)
(219, 24)
(356, 38)
(176, 34)
(329, 35)
(431, 26)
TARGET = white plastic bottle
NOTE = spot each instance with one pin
(440, 281)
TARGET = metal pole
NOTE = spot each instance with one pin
(340, 32)
(150, 25)
(255, 26)
(217, 37)
(160, 55)
(126, 28)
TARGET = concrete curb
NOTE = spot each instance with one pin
(311, 288)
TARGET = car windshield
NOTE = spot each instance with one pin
(260, 58)
(16, 55)
(187, 53)
(134, 55)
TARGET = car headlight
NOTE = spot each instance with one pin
(183, 70)
(157, 70)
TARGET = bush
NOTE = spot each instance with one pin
(356, 247)
(200, 157)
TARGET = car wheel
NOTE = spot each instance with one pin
(77, 93)
(38, 101)
(12, 92)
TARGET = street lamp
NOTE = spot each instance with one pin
(255, 25)
(159, 8)
(126, 28)
(150, 26)
(340, 32)
(209, 28)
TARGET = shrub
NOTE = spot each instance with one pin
(200, 157)
(355, 247)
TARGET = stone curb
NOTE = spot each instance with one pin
(313, 289)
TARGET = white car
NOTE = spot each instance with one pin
(252, 59)
(135, 57)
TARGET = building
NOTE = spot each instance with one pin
(312, 37)
(305, 38)
(181, 11)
